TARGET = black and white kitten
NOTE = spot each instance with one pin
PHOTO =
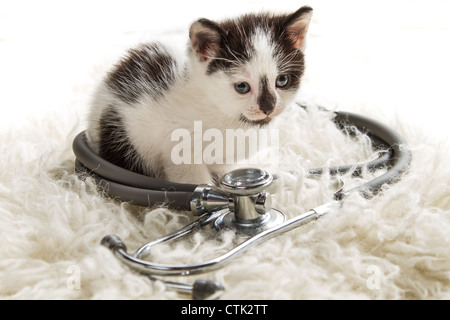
(238, 73)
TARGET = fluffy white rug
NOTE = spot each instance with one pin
(394, 246)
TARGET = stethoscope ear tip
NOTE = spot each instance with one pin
(200, 290)
(113, 243)
(207, 290)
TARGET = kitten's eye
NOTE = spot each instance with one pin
(242, 87)
(282, 80)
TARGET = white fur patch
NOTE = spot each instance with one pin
(263, 63)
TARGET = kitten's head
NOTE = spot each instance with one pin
(252, 64)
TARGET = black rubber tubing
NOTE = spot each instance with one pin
(399, 154)
(128, 186)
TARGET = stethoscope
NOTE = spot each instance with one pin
(241, 203)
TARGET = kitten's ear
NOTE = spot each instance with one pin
(205, 38)
(297, 25)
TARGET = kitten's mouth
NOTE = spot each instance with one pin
(258, 122)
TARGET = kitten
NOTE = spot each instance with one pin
(238, 73)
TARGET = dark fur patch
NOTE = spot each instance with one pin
(207, 40)
(293, 66)
(146, 69)
(115, 145)
(266, 100)
(235, 46)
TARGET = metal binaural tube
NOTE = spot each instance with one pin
(205, 219)
(201, 289)
(118, 247)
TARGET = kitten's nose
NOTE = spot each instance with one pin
(267, 106)
(267, 111)
(266, 99)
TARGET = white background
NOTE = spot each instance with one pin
(362, 55)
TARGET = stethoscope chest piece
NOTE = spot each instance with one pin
(250, 207)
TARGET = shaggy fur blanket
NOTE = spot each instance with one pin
(389, 64)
